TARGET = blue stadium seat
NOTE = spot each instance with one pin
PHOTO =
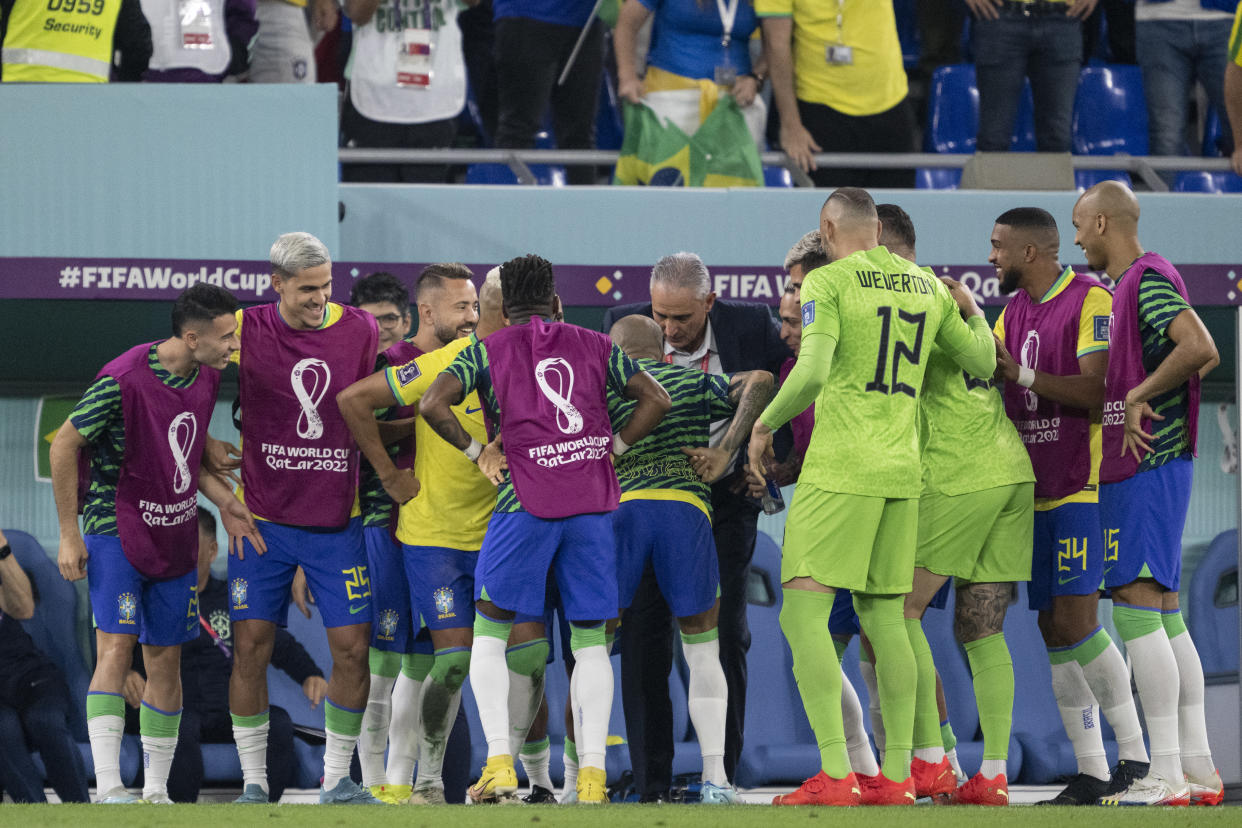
(937, 178)
(1085, 179)
(53, 630)
(550, 175)
(1213, 599)
(609, 123)
(1199, 181)
(1211, 133)
(777, 177)
(1110, 112)
(953, 121)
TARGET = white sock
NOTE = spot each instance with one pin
(862, 760)
(1192, 725)
(867, 669)
(934, 755)
(1109, 680)
(571, 774)
(1155, 673)
(404, 730)
(951, 755)
(105, 735)
(525, 695)
(708, 702)
(992, 768)
(374, 737)
(434, 739)
(591, 688)
(536, 764)
(489, 678)
(1081, 718)
(157, 756)
(252, 753)
(337, 754)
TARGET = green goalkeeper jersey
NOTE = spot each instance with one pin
(884, 315)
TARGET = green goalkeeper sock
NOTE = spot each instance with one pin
(804, 620)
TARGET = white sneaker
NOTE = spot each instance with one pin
(160, 798)
(1152, 789)
(117, 796)
(710, 794)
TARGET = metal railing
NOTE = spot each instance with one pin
(1147, 168)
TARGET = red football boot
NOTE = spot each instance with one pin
(978, 790)
(880, 790)
(822, 789)
(937, 781)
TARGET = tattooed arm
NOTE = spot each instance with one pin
(749, 393)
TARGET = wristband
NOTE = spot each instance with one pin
(1026, 376)
(619, 446)
(473, 450)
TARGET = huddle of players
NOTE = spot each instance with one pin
(1103, 395)
(546, 388)
(569, 403)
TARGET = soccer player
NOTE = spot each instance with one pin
(806, 255)
(143, 423)
(975, 524)
(442, 528)
(866, 320)
(543, 384)
(1057, 323)
(664, 519)
(1158, 349)
(300, 476)
(392, 629)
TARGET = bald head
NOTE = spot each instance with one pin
(638, 336)
(848, 222)
(1113, 200)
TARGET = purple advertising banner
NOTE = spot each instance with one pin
(581, 285)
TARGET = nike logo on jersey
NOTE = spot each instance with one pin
(1064, 581)
(470, 410)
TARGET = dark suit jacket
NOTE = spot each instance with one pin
(747, 335)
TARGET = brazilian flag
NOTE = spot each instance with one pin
(721, 153)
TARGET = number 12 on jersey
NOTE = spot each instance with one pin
(892, 357)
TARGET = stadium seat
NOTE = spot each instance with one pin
(1211, 133)
(609, 124)
(937, 178)
(1213, 611)
(1110, 112)
(52, 628)
(549, 175)
(1200, 181)
(1085, 179)
(1046, 752)
(953, 121)
(777, 177)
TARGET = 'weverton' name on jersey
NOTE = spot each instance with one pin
(896, 282)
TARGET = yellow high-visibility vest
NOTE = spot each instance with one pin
(60, 41)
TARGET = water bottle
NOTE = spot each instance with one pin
(772, 502)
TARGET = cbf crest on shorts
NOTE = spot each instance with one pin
(444, 602)
(126, 607)
(238, 590)
(388, 623)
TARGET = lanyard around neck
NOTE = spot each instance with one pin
(728, 14)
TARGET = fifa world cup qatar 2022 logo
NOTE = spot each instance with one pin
(1029, 358)
(310, 379)
(181, 433)
(555, 378)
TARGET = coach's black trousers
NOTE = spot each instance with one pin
(647, 650)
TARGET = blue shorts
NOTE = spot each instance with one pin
(126, 602)
(520, 549)
(335, 563)
(1068, 554)
(677, 538)
(391, 620)
(1142, 519)
(442, 586)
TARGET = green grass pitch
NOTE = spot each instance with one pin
(646, 816)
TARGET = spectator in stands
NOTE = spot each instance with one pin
(477, 44)
(406, 82)
(1116, 18)
(34, 701)
(283, 51)
(720, 337)
(206, 663)
(1036, 39)
(1179, 42)
(534, 39)
(698, 51)
(1233, 91)
(940, 43)
(47, 42)
(839, 85)
(201, 41)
